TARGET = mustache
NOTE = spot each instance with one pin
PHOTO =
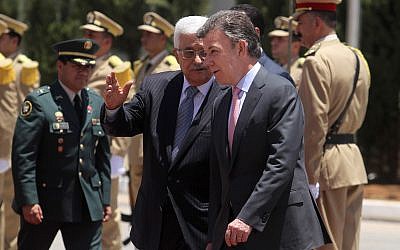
(199, 67)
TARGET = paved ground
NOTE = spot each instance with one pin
(381, 234)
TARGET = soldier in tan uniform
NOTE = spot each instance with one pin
(19, 76)
(333, 115)
(280, 47)
(155, 34)
(103, 30)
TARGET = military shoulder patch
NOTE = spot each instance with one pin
(26, 108)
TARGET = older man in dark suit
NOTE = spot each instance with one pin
(173, 111)
(259, 196)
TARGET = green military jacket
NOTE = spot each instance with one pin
(57, 164)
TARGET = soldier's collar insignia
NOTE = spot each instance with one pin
(26, 108)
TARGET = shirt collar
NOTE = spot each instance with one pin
(245, 83)
(71, 94)
(203, 89)
(329, 37)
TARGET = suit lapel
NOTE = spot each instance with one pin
(248, 108)
(221, 126)
(201, 119)
(166, 121)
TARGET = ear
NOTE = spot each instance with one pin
(242, 47)
(59, 64)
(257, 31)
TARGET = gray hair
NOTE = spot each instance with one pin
(236, 25)
(187, 26)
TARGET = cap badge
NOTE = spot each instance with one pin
(87, 45)
(148, 20)
(90, 17)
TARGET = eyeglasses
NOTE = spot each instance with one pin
(191, 54)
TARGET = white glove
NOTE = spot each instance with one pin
(314, 188)
(117, 166)
(4, 165)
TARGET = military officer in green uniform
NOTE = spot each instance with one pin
(155, 34)
(102, 29)
(60, 157)
(280, 47)
(19, 78)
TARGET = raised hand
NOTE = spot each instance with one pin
(114, 95)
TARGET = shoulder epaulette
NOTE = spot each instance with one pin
(41, 91)
(313, 50)
(123, 73)
(21, 58)
(7, 72)
(30, 73)
(361, 56)
(114, 61)
(170, 60)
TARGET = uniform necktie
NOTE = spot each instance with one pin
(184, 118)
(78, 108)
(235, 108)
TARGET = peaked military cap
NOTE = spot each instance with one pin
(282, 27)
(156, 24)
(316, 5)
(97, 21)
(81, 51)
(3, 27)
(14, 25)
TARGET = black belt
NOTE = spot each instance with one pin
(340, 139)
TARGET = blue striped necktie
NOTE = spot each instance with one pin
(184, 118)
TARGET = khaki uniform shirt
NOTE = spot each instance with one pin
(16, 81)
(327, 82)
(160, 63)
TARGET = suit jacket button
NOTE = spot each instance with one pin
(80, 173)
(81, 146)
(80, 161)
(44, 184)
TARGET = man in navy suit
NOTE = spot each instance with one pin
(172, 205)
(259, 196)
(258, 21)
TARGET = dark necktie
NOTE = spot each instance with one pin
(78, 108)
(184, 118)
